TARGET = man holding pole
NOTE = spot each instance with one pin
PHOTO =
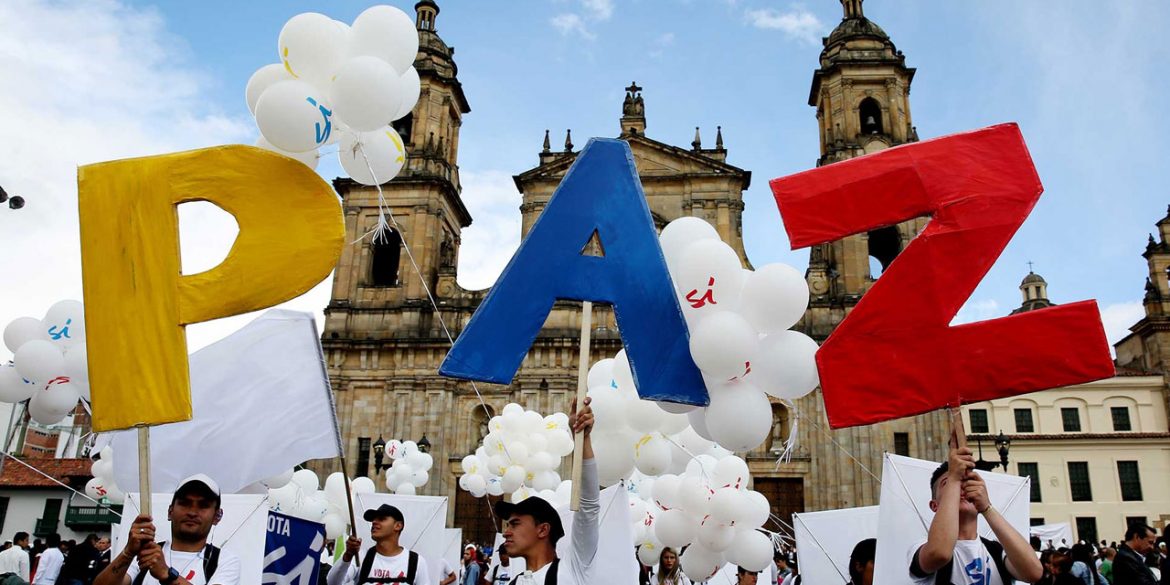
(188, 559)
(532, 526)
(387, 561)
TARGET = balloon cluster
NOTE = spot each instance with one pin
(520, 456)
(411, 467)
(49, 366)
(707, 509)
(102, 487)
(337, 83)
(739, 324)
(299, 493)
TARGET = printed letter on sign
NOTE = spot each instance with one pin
(896, 354)
(137, 302)
(602, 193)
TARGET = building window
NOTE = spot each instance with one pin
(1078, 482)
(3, 511)
(1131, 481)
(979, 420)
(1131, 520)
(902, 444)
(1024, 420)
(363, 457)
(1086, 529)
(1031, 470)
(1035, 522)
(1071, 419)
(1121, 418)
(871, 116)
(386, 256)
(404, 126)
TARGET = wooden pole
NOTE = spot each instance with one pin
(348, 495)
(582, 390)
(958, 429)
(144, 494)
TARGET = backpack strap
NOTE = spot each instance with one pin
(995, 549)
(210, 560)
(411, 565)
(367, 566)
(550, 578)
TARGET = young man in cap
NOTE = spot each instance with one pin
(532, 526)
(188, 558)
(387, 561)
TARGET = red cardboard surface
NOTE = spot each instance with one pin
(895, 354)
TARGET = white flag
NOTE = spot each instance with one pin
(261, 402)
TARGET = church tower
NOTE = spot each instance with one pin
(861, 93)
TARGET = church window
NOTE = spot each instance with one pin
(403, 127)
(871, 116)
(386, 255)
(363, 457)
(902, 444)
(884, 245)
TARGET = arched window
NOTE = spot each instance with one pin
(403, 126)
(884, 245)
(871, 116)
(386, 254)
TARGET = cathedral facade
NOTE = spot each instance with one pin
(384, 338)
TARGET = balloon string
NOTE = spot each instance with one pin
(56, 481)
(384, 213)
(840, 447)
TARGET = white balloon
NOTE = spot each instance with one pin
(546, 480)
(420, 460)
(511, 409)
(644, 416)
(406, 489)
(751, 550)
(531, 422)
(284, 498)
(615, 456)
(76, 366)
(334, 489)
(672, 424)
(731, 472)
(541, 461)
(774, 297)
(674, 528)
(698, 420)
(294, 116)
(362, 485)
(649, 550)
(517, 452)
(409, 448)
(387, 33)
(418, 478)
(470, 465)
(334, 526)
(495, 486)
(95, 488)
(681, 233)
(787, 365)
(608, 409)
(39, 361)
(115, 495)
(756, 512)
(675, 408)
(724, 345)
(13, 387)
(65, 323)
(652, 454)
(277, 481)
(623, 376)
(714, 536)
(366, 93)
(708, 265)
(727, 504)
(690, 440)
(739, 417)
(311, 46)
(261, 80)
(601, 374)
(694, 495)
(309, 158)
(23, 330)
(666, 490)
(394, 449)
(513, 478)
(54, 403)
(700, 564)
(306, 479)
(383, 151)
(410, 86)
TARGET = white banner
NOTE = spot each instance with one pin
(825, 541)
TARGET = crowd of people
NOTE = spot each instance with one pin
(1141, 558)
(52, 561)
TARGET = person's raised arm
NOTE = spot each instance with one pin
(340, 571)
(944, 527)
(141, 533)
(586, 519)
(1021, 559)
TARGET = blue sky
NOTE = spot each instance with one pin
(98, 80)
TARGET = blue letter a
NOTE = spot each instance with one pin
(601, 193)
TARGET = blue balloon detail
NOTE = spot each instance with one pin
(602, 193)
(322, 134)
(56, 334)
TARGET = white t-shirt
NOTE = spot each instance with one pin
(681, 580)
(445, 569)
(49, 567)
(500, 575)
(973, 565)
(15, 560)
(190, 567)
(383, 567)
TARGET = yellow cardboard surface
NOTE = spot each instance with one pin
(291, 232)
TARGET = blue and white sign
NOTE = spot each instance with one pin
(292, 550)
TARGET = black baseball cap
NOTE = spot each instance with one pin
(384, 511)
(540, 510)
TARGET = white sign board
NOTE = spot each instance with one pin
(904, 518)
(825, 541)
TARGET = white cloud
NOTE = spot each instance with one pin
(797, 23)
(661, 43)
(494, 235)
(1119, 317)
(569, 23)
(599, 9)
(92, 81)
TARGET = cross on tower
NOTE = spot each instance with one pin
(1029, 266)
(633, 88)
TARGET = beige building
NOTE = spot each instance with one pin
(1098, 453)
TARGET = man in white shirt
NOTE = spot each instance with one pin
(953, 552)
(501, 572)
(446, 573)
(51, 561)
(188, 558)
(533, 525)
(15, 559)
(384, 563)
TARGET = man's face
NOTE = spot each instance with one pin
(193, 515)
(521, 533)
(965, 506)
(384, 527)
(747, 578)
(505, 558)
(103, 544)
(1142, 545)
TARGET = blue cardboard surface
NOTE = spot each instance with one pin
(602, 193)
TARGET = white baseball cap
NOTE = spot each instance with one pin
(199, 478)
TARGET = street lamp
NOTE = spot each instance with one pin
(379, 455)
(1002, 443)
(16, 202)
(424, 445)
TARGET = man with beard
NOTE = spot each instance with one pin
(188, 559)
